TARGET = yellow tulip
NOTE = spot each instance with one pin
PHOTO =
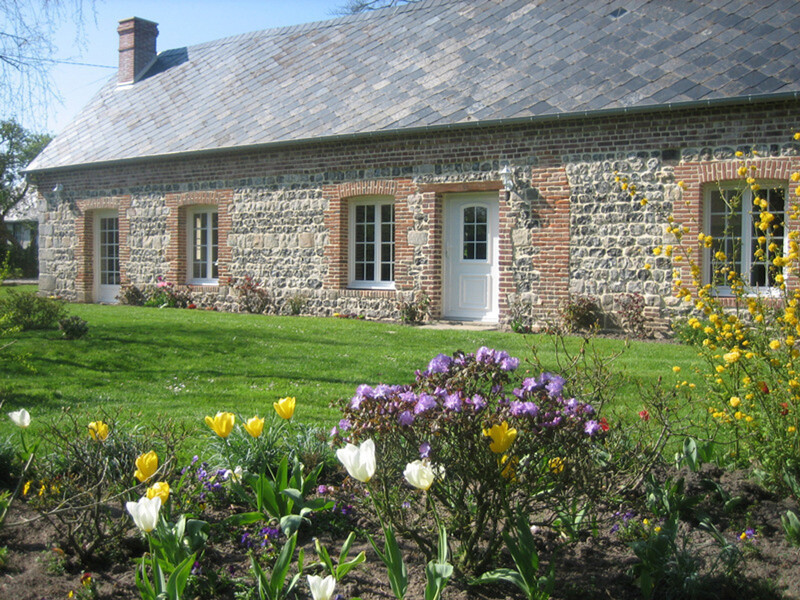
(285, 407)
(254, 427)
(222, 423)
(556, 465)
(146, 466)
(502, 437)
(98, 430)
(159, 489)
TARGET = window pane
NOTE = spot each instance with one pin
(373, 242)
(205, 245)
(475, 220)
(109, 250)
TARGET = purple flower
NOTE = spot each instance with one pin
(484, 355)
(405, 418)
(425, 402)
(530, 385)
(478, 402)
(408, 397)
(344, 425)
(383, 391)
(453, 402)
(322, 489)
(440, 364)
(519, 409)
(197, 569)
(554, 384)
(591, 427)
(425, 450)
(509, 363)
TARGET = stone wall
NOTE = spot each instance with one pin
(568, 228)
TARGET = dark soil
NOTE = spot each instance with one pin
(596, 566)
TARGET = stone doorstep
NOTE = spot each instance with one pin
(462, 325)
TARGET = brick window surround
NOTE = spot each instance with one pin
(84, 251)
(337, 220)
(698, 176)
(178, 228)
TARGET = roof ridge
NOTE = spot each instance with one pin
(381, 13)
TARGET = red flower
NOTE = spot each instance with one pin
(644, 415)
(784, 409)
(604, 424)
(763, 387)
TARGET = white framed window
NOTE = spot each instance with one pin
(203, 238)
(737, 230)
(372, 242)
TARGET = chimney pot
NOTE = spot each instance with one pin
(137, 47)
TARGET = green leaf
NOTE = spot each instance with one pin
(345, 567)
(437, 575)
(291, 523)
(177, 581)
(322, 552)
(244, 519)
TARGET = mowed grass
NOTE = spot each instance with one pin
(148, 364)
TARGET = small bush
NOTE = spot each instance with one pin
(520, 316)
(690, 331)
(631, 314)
(73, 328)
(415, 311)
(253, 298)
(27, 311)
(132, 295)
(296, 303)
(166, 295)
(579, 312)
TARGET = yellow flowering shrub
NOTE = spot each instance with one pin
(747, 334)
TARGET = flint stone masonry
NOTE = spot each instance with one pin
(566, 227)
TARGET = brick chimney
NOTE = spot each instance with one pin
(137, 48)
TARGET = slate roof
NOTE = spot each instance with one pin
(437, 63)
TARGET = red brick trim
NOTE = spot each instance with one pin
(551, 239)
(698, 176)
(178, 205)
(84, 250)
(432, 283)
(337, 198)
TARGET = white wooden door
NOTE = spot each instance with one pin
(106, 256)
(471, 249)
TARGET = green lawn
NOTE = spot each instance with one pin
(144, 363)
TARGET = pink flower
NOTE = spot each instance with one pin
(644, 415)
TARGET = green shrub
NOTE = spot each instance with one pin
(579, 313)
(499, 440)
(132, 295)
(252, 297)
(28, 311)
(73, 328)
(414, 311)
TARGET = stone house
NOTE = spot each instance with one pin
(465, 149)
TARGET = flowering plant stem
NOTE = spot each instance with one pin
(391, 557)
(438, 571)
(162, 588)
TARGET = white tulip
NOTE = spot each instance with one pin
(358, 460)
(235, 475)
(145, 512)
(321, 589)
(21, 418)
(420, 474)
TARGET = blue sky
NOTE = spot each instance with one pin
(180, 23)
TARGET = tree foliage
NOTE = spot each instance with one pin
(18, 147)
(352, 7)
(27, 29)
